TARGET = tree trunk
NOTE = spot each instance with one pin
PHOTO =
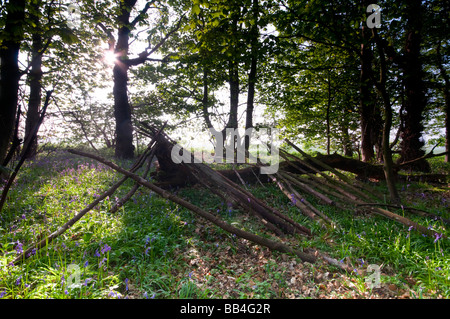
(412, 141)
(12, 35)
(368, 107)
(35, 78)
(328, 115)
(252, 76)
(446, 90)
(388, 164)
(122, 108)
(205, 100)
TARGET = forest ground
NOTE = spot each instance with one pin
(152, 248)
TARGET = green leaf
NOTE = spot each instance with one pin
(196, 9)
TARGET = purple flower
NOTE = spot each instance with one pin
(112, 294)
(126, 284)
(32, 252)
(102, 261)
(19, 248)
(87, 281)
(105, 249)
(97, 254)
(86, 263)
(2, 294)
(18, 280)
(438, 236)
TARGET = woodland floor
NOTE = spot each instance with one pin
(159, 250)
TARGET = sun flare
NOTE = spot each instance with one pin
(109, 57)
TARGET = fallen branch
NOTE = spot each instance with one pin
(344, 178)
(416, 211)
(271, 244)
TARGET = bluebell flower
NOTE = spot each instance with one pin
(19, 248)
(2, 294)
(105, 249)
(126, 284)
(438, 236)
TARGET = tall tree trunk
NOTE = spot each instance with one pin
(368, 107)
(328, 115)
(34, 77)
(205, 100)
(12, 35)
(252, 76)
(446, 90)
(122, 107)
(388, 164)
(415, 102)
(233, 80)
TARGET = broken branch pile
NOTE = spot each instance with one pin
(296, 177)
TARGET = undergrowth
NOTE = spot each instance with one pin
(152, 248)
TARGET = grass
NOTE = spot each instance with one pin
(152, 248)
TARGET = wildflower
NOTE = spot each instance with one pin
(19, 248)
(438, 236)
(105, 249)
(66, 292)
(87, 281)
(146, 251)
(145, 295)
(86, 263)
(18, 280)
(126, 284)
(112, 294)
(97, 253)
(32, 252)
(2, 294)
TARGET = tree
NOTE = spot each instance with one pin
(126, 19)
(10, 39)
(415, 99)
